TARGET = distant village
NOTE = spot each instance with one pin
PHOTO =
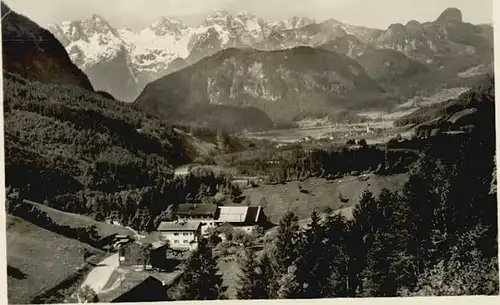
(338, 132)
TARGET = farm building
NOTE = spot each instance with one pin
(204, 214)
(131, 255)
(150, 252)
(242, 217)
(181, 234)
(150, 289)
(191, 211)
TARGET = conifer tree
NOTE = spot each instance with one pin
(337, 260)
(287, 240)
(289, 286)
(312, 272)
(389, 263)
(264, 278)
(201, 279)
(285, 249)
(250, 280)
(365, 213)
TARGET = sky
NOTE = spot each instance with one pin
(135, 14)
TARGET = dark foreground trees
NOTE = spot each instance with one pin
(438, 236)
(253, 278)
(201, 279)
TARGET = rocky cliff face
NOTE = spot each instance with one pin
(281, 83)
(440, 44)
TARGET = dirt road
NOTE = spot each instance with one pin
(99, 276)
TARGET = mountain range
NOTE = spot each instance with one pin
(283, 84)
(122, 61)
(116, 59)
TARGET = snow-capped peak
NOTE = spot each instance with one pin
(246, 15)
(148, 52)
(217, 17)
(96, 23)
(94, 18)
(167, 25)
(297, 22)
(88, 41)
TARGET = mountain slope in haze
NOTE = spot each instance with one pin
(281, 83)
(391, 69)
(446, 43)
(389, 64)
(314, 35)
(228, 118)
(348, 45)
(34, 53)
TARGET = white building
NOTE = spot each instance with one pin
(181, 234)
(245, 218)
(203, 214)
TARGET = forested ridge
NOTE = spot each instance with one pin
(482, 91)
(80, 152)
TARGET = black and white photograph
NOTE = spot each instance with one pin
(188, 150)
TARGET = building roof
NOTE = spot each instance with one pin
(178, 226)
(232, 213)
(150, 289)
(155, 239)
(191, 209)
(253, 213)
(239, 214)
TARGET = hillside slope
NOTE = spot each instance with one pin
(389, 65)
(34, 53)
(81, 140)
(284, 84)
(32, 267)
(473, 110)
(229, 118)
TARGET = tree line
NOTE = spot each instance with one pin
(299, 164)
(144, 208)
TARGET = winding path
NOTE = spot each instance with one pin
(100, 275)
